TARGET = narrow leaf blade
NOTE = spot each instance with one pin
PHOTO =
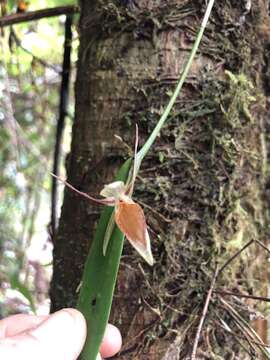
(99, 278)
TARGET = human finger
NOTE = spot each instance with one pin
(111, 343)
(61, 336)
(16, 324)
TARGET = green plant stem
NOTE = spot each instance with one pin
(144, 150)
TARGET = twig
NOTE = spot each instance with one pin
(155, 212)
(241, 321)
(37, 15)
(9, 119)
(230, 293)
(235, 255)
(241, 336)
(205, 309)
(242, 324)
(127, 348)
(98, 201)
(64, 92)
(237, 338)
(263, 246)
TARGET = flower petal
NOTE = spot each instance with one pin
(116, 189)
(131, 221)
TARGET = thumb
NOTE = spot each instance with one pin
(61, 336)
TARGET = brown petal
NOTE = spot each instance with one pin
(131, 221)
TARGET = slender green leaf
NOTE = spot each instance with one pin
(99, 278)
(144, 150)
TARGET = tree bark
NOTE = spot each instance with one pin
(204, 186)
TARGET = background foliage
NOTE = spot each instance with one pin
(30, 75)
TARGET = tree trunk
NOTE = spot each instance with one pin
(204, 184)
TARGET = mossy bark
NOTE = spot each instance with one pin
(204, 186)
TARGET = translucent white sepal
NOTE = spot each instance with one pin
(146, 253)
(116, 189)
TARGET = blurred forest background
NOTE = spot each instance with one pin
(30, 76)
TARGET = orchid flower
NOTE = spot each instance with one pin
(128, 215)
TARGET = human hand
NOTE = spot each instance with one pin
(57, 336)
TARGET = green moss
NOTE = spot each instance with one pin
(205, 180)
(208, 186)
